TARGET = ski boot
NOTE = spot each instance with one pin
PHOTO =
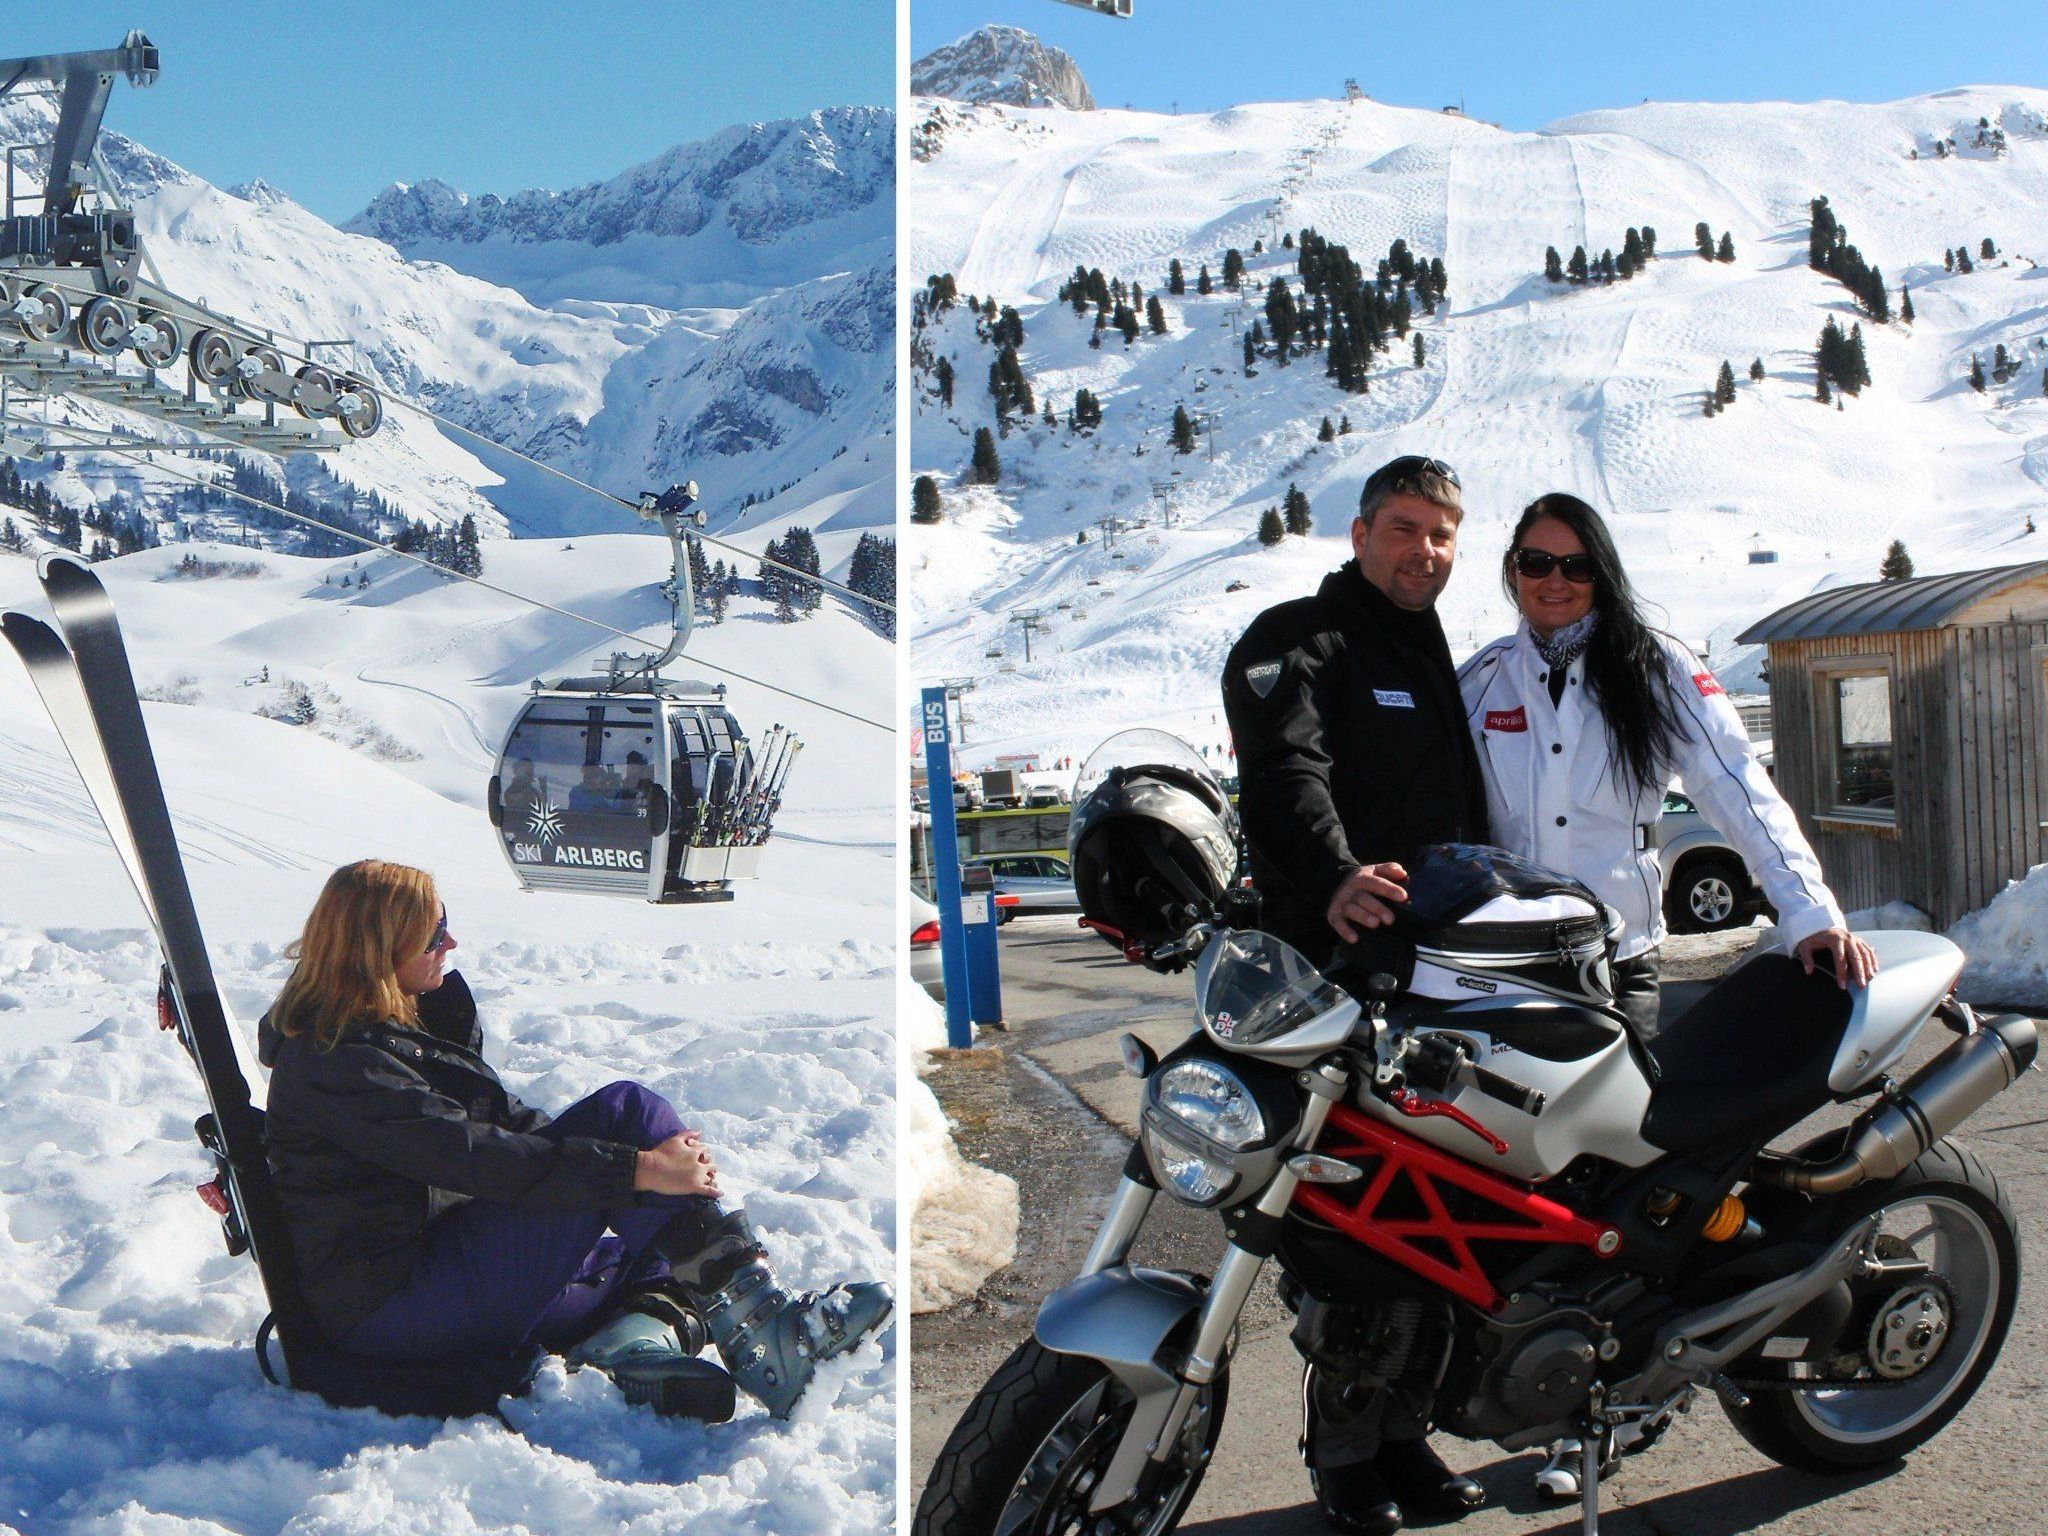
(771, 1341)
(649, 1349)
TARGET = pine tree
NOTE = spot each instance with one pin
(987, 466)
(1271, 529)
(1703, 237)
(1418, 349)
(1711, 407)
(1251, 353)
(1553, 264)
(1906, 304)
(1976, 374)
(11, 538)
(1155, 315)
(1576, 269)
(1821, 392)
(925, 503)
(1176, 280)
(1327, 432)
(1343, 426)
(1183, 430)
(945, 372)
(1295, 513)
(1987, 250)
(1726, 251)
(1756, 370)
(1632, 249)
(1963, 262)
(1649, 242)
(1948, 260)
(1009, 329)
(2001, 364)
(1898, 565)
(1724, 385)
(1233, 268)
(1202, 279)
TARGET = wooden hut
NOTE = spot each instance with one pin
(1911, 730)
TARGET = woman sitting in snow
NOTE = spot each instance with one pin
(434, 1215)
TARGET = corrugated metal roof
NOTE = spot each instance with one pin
(1883, 607)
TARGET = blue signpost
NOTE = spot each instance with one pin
(938, 770)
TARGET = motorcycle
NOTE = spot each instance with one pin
(1484, 1195)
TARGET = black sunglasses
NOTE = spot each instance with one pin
(1539, 563)
(1410, 464)
(440, 933)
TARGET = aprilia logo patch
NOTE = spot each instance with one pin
(1708, 685)
(1516, 719)
(1262, 677)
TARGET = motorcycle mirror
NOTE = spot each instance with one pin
(1138, 1058)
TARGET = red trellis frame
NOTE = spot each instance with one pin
(1527, 1216)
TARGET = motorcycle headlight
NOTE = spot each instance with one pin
(1198, 1114)
(1210, 1101)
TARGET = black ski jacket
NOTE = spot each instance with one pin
(1351, 747)
(372, 1141)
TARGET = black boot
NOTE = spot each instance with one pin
(1356, 1498)
(771, 1341)
(649, 1346)
(1423, 1484)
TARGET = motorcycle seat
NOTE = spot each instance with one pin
(1748, 1060)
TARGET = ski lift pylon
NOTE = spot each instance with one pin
(633, 784)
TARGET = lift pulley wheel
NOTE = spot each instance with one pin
(360, 410)
(313, 392)
(213, 357)
(158, 340)
(263, 376)
(104, 324)
(42, 313)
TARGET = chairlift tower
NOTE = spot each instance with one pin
(1351, 90)
(1032, 621)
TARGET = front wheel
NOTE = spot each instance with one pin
(1027, 1454)
(1930, 1344)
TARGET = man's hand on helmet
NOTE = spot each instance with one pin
(1362, 899)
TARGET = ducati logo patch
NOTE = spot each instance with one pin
(1262, 677)
(1516, 719)
(1708, 684)
(1393, 698)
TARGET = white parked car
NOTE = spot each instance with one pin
(1038, 882)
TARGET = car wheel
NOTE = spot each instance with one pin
(1709, 895)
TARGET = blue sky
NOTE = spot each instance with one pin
(1517, 64)
(333, 102)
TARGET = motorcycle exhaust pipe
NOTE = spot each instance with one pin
(1887, 1137)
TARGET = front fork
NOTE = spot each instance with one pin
(1253, 1229)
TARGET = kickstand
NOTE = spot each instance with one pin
(1592, 1452)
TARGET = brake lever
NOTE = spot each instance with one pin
(1406, 1101)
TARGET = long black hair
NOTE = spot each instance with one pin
(1625, 664)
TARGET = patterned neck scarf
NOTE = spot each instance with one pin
(1567, 645)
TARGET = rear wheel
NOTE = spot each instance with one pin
(1026, 1456)
(1931, 1343)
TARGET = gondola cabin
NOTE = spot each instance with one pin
(646, 789)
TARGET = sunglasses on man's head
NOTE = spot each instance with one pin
(1409, 464)
(440, 937)
(1539, 563)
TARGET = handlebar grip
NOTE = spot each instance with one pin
(1529, 1101)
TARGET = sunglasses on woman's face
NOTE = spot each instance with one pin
(440, 939)
(1539, 563)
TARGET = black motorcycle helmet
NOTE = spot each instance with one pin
(1152, 846)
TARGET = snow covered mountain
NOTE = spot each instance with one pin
(1005, 65)
(129, 1396)
(626, 316)
(1525, 385)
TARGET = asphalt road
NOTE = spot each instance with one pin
(1056, 1111)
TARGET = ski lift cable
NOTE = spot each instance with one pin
(444, 422)
(367, 542)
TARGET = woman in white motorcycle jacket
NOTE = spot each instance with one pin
(1581, 719)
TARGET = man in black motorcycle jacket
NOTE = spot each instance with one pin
(1353, 755)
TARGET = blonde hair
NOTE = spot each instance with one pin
(371, 917)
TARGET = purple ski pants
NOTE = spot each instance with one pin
(496, 1276)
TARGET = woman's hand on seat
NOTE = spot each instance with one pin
(678, 1166)
(1853, 961)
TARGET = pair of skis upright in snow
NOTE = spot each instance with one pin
(85, 683)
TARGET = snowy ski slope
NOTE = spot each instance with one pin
(129, 1397)
(1527, 387)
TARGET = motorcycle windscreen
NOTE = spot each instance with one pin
(1253, 990)
(579, 781)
